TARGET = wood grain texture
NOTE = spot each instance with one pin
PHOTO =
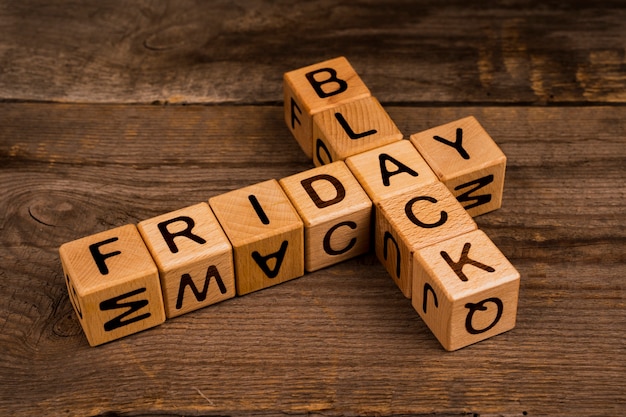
(342, 340)
(405, 51)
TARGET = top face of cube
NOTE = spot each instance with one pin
(391, 169)
(325, 193)
(467, 264)
(457, 148)
(179, 237)
(107, 259)
(426, 215)
(255, 212)
(354, 127)
(326, 84)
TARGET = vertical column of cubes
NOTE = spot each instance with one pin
(465, 289)
(467, 161)
(113, 284)
(266, 232)
(332, 114)
(194, 258)
(336, 213)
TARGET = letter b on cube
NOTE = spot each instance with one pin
(113, 284)
(315, 88)
(465, 290)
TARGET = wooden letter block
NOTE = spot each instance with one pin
(413, 220)
(336, 213)
(390, 170)
(113, 284)
(351, 128)
(266, 233)
(465, 290)
(316, 88)
(467, 161)
(194, 258)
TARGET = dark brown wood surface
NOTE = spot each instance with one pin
(88, 143)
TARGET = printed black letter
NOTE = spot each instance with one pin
(385, 174)
(351, 134)
(99, 257)
(185, 280)
(262, 260)
(321, 146)
(481, 306)
(169, 237)
(458, 144)
(478, 199)
(332, 78)
(457, 267)
(341, 191)
(408, 210)
(386, 237)
(428, 287)
(294, 118)
(331, 251)
(258, 209)
(133, 306)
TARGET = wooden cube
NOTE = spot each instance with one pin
(465, 289)
(390, 170)
(351, 128)
(467, 160)
(412, 220)
(113, 284)
(266, 233)
(194, 258)
(336, 213)
(316, 88)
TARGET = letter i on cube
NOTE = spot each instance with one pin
(113, 284)
(266, 232)
(465, 289)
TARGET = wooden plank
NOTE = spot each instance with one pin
(417, 52)
(342, 340)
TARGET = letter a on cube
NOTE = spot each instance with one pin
(113, 284)
(465, 289)
(266, 233)
(194, 258)
(467, 160)
(315, 88)
(336, 213)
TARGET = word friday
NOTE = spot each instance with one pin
(414, 197)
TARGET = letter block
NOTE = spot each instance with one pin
(113, 284)
(467, 160)
(266, 233)
(413, 220)
(336, 213)
(390, 170)
(316, 88)
(465, 289)
(194, 258)
(351, 128)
